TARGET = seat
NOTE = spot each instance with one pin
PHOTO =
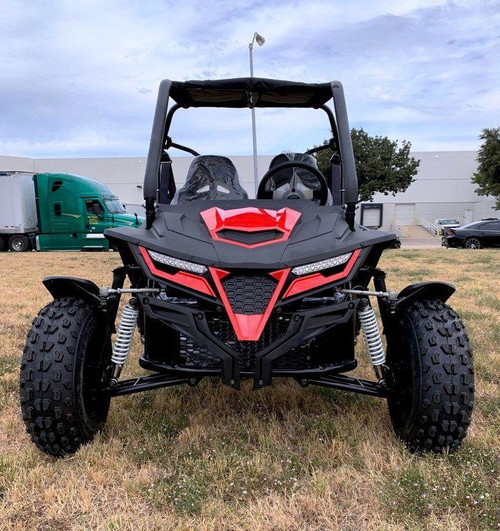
(210, 177)
(300, 178)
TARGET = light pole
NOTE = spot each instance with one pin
(259, 39)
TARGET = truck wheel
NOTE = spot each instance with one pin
(19, 243)
(3, 247)
(431, 377)
(62, 370)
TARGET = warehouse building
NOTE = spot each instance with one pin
(442, 187)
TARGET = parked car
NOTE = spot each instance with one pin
(444, 223)
(475, 235)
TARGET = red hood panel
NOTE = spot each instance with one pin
(250, 219)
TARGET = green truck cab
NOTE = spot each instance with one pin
(59, 211)
(74, 211)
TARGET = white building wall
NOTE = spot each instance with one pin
(16, 164)
(442, 188)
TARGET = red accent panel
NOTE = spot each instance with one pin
(183, 278)
(249, 327)
(250, 219)
(315, 280)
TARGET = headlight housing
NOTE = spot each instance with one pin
(321, 265)
(177, 263)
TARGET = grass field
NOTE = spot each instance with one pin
(284, 458)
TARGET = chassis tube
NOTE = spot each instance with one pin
(156, 143)
(349, 177)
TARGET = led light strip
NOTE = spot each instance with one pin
(178, 263)
(323, 264)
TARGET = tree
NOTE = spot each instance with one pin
(488, 172)
(381, 165)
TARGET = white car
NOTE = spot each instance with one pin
(445, 223)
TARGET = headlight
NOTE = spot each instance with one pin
(177, 263)
(323, 264)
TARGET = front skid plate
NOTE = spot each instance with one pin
(192, 323)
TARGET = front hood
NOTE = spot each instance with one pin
(260, 234)
(242, 254)
(127, 220)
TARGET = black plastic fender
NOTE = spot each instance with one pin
(425, 290)
(72, 287)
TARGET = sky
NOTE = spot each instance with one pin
(80, 78)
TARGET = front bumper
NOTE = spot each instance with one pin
(275, 355)
(450, 241)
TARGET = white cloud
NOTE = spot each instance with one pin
(80, 78)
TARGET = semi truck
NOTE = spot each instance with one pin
(57, 211)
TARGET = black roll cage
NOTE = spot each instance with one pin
(250, 93)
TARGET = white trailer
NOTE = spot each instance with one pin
(17, 205)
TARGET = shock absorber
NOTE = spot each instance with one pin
(124, 337)
(372, 337)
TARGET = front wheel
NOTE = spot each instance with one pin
(472, 243)
(431, 377)
(62, 371)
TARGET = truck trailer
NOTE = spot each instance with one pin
(57, 211)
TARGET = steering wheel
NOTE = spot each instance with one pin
(321, 194)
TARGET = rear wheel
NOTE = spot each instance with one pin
(62, 371)
(19, 243)
(3, 246)
(472, 243)
(431, 377)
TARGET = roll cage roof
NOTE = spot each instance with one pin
(251, 93)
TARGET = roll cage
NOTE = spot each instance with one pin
(159, 186)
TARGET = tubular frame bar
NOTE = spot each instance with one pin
(347, 383)
(156, 143)
(349, 177)
(145, 383)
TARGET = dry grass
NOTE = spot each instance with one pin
(283, 458)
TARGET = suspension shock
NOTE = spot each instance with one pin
(124, 337)
(372, 337)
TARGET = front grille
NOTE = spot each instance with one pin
(249, 295)
(195, 356)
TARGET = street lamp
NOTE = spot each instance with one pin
(259, 39)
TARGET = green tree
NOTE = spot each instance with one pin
(382, 166)
(488, 172)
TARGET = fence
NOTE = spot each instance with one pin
(402, 229)
(430, 227)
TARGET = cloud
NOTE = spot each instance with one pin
(81, 80)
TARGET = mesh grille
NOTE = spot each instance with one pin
(249, 295)
(298, 358)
